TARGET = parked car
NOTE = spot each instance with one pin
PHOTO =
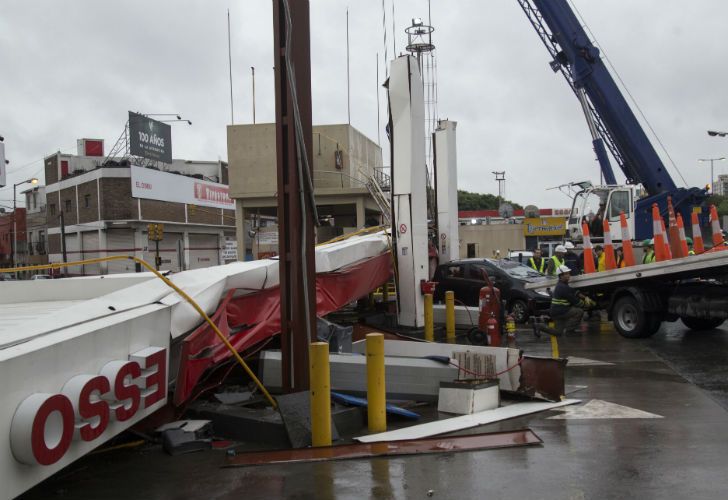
(465, 278)
(41, 277)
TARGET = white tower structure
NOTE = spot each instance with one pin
(409, 204)
(446, 184)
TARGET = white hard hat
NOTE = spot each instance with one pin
(560, 248)
(568, 245)
(563, 269)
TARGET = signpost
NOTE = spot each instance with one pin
(2, 164)
(155, 232)
(150, 139)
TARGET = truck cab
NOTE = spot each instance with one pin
(603, 201)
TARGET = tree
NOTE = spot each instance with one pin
(478, 201)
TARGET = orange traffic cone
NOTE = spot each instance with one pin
(697, 235)
(683, 240)
(588, 253)
(627, 249)
(715, 225)
(610, 262)
(674, 232)
(659, 238)
(668, 253)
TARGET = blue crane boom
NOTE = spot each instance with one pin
(612, 122)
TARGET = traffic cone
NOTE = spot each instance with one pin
(588, 253)
(683, 240)
(609, 260)
(658, 237)
(627, 249)
(697, 235)
(668, 253)
(715, 225)
(674, 232)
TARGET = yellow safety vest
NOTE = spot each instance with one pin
(557, 264)
(532, 263)
(649, 258)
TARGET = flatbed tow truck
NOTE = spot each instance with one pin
(639, 298)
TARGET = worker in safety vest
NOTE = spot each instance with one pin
(601, 258)
(556, 260)
(567, 304)
(537, 263)
(690, 245)
(649, 256)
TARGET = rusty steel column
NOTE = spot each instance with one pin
(295, 229)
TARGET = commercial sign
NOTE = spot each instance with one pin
(2, 164)
(150, 138)
(544, 226)
(153, 184)
(46, 426)
(230, 250)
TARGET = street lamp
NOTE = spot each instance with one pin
(32, 180)
(711, 160)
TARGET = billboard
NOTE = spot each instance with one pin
(156, 185)
(2, 164)
(150, 139)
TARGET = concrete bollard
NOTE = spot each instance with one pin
(429, 319)
(376, 387)
(318, 354)
(450, 316)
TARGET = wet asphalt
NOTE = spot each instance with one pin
(677, 374)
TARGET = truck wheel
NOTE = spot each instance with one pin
(701, 324)
(654, 324)
(519, 310)
(630, 319)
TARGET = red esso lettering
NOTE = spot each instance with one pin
(125, 395)
(45, 425)
(42, 429)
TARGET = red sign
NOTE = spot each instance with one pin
(403, 228)
(45, 426)
(217, 194)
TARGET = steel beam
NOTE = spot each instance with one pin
(295, 228)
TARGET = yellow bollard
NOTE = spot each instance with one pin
(450, 316)
(429, 319)
(554, 347)
(318, 354)
(376, 388)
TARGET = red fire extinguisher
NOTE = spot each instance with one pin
(489, 321)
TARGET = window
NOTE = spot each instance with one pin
(619, 202)
(476, 271)
(471, 250)
(454, 272)
(87, 201)
(52, 209)
(69, 206)
(35, 200)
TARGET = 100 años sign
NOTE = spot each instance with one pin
(149, 138)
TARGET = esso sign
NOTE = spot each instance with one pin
(45, 426)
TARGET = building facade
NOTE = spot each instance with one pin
(97, 207)
(37, 227)
(344, 160)
(10, 222)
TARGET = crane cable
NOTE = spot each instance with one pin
(174, 287)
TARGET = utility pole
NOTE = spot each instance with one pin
(252, 70)
(500, 178)
(63, 243)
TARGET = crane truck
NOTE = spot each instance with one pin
(638, 299)
(613, 127)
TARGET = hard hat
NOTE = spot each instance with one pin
(560, 248)
(689, 240)
(563, 269)
(647, 242)
(568, 245)
(652, 242)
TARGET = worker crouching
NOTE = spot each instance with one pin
(567, 304)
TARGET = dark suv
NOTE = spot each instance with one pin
(465, 278)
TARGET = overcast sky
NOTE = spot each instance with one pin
(73, 69)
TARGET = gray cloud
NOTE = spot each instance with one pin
(73, 69)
